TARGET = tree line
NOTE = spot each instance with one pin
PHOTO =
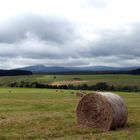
(14, 72)
(101, 86)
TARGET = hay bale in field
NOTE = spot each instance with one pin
(102, 110)
(80, 94)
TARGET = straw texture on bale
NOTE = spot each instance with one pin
(102, 110)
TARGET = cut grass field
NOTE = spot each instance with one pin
(42, 114)
(115, 79)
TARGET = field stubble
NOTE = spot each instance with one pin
(43, 114)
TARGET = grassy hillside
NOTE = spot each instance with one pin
(115, 79)
(42, 114)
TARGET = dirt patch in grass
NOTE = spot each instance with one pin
(75, 82)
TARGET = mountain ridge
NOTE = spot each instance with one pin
(59, 69)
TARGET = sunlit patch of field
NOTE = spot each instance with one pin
(73, 82)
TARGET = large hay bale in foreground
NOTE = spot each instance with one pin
(102, 110)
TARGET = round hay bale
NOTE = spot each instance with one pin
(79, 94)
(102, 110)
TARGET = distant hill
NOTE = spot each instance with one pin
(57, 69)
(14, 72)
(45, 69)
(137, 71)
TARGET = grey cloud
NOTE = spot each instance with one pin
(120, 47)
(121, 43)
(56, 30)
(34, 48)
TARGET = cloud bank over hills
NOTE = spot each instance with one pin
(81, 33)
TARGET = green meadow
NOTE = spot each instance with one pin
(42, 114)
(112, 79)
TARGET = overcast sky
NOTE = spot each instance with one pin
(69, 33)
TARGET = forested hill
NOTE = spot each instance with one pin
(137, 71)
(14, 72)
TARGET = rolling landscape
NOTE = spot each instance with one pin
(42, 113)
(69, 70)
